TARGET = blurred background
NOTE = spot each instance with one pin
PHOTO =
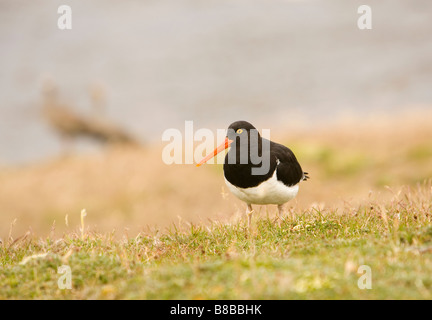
(129, 70)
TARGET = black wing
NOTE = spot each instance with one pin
(288, 168)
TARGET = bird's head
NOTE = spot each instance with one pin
(238, 132)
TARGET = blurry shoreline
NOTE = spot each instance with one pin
(281, 124)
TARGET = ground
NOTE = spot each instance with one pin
(154, 231)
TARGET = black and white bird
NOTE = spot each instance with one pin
(257, 170)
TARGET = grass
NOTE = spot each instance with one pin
(314, 254)
(153, 231)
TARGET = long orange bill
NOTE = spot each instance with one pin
(224, 145)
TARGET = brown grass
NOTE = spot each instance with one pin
(131, 189)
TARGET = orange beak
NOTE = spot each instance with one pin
(224, 145)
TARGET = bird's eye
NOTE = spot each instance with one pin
(239, 131)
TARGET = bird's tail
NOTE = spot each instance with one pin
(305, 176)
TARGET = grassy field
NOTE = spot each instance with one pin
(172, 232)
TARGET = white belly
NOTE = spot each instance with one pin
(271, 191)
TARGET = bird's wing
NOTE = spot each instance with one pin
(288, 169)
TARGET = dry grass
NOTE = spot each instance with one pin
(129, 189)
(316, 254)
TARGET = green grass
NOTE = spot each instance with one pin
(419, 153)
(313, 254)
(333, 162)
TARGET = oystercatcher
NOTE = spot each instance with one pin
(257, 170)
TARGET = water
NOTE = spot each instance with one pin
(164, 62)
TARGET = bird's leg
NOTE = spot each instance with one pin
(281, 210)
(249, 212)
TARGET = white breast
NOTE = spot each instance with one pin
(271, 191)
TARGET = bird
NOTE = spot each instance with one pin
(257, 170)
